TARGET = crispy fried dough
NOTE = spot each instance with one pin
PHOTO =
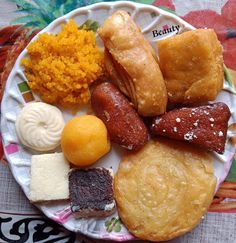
(192, 66)
(164, 190)
(131, 62)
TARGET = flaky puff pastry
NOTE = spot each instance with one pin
(164, 190)
(131, 62)
(192, 66)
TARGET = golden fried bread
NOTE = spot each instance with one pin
(163, 190)
(135, 63)
(192, 66)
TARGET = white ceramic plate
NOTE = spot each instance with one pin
(156, 24)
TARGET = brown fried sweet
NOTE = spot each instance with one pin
(205, 126)
(124, 125)
(164, 190)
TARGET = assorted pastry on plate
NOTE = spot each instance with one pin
(163, 186)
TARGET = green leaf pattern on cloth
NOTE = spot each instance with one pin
(145, 1)
(232, 173)
(229, 79)
(40, 13)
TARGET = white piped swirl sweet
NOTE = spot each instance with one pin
(39, 126)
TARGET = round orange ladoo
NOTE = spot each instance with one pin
(84, 140)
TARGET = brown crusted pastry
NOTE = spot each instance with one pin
(205, 126)
(164, 190)
(192, 66)
(132, 62)
(123, 123)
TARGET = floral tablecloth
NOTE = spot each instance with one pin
(22, 222)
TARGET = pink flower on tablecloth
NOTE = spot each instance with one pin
(224, 24)
(228, 11)
(209, 19)
(164, 3)
(230, 53)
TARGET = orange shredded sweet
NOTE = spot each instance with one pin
(61, 67)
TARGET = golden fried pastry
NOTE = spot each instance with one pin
(192, 66)
(115, 72)
(131, 61)
(163, 190)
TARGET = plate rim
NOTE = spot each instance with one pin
(66, 17)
